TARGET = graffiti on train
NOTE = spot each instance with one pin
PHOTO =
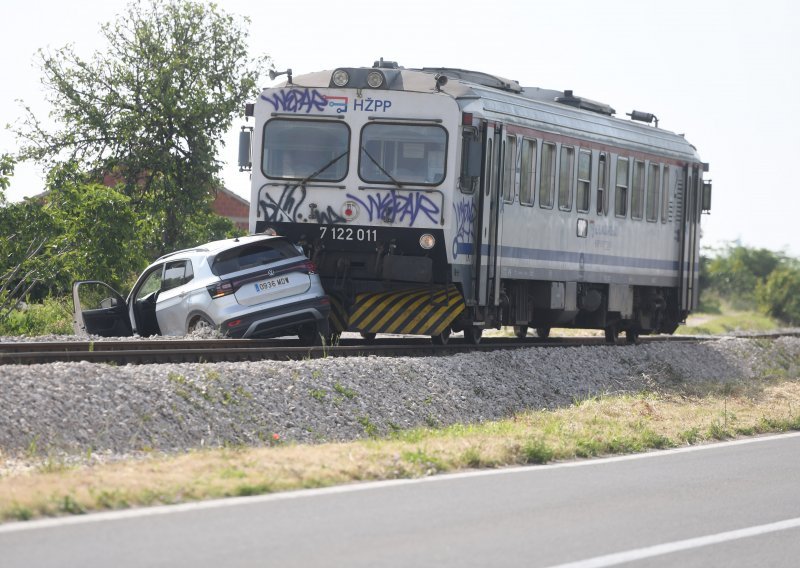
(393, 207)
(464, 221)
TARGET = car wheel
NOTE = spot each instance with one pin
(520, 331)
(201, 326)
(442, 338)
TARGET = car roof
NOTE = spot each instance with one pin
(214, 247)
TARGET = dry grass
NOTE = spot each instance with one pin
(597, 426)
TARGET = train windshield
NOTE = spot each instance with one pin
(305, 149)
(403, 153)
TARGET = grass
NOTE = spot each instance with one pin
(598, 426)
(726, 322)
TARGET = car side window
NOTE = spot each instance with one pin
(176, 273)
(150, 284)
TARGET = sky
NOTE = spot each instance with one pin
(724, 72)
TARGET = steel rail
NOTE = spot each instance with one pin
(219, 350)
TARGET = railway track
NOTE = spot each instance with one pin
(218, 350)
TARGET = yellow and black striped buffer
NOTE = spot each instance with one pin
(416, 311)
(338, 317)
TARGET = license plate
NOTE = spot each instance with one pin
(271, 284)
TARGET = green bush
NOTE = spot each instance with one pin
(51, 316)
(779, 294)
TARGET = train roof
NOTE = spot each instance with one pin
(506, 100)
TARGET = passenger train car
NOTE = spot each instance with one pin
(435, 200)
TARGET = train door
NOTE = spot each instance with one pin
(690, 238)
(488, 216)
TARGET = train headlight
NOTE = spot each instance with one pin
(374, 79)
(427, 241)
(341, 77)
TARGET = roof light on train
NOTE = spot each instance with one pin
(340, 77)
(374, 79)
(427, 241)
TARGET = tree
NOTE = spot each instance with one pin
(150, 109)
(6, 171)
(80, 230)
(735, 273)
(779, 294)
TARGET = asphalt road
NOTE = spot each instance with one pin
(732, 504)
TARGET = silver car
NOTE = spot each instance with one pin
(255, 286)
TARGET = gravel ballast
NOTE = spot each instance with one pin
(80, 408)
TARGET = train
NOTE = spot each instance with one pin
(442, 200)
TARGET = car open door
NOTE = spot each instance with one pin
(99, 310)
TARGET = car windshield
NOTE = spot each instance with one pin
(403, 153)
(305, 149)
(251, 255)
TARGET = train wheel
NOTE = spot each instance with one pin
(611, 334)
(632, 336)
(543, 332)
(442, 338)
(368, 336)
(310, 335)
(473, 334)
(520, 331)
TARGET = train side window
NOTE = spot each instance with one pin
(470, 160)
(527, 171)
(664, 193)
(565, 170)
(547, 173)
(602, 185)
(510, 169)
(637, 194)
(584, 194)
(651, 200)
(621, 193)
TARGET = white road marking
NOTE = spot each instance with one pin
(679, 545)
(367, 486)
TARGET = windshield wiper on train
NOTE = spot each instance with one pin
(322, 169)
(387, 174)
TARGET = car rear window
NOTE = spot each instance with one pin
(252, 255)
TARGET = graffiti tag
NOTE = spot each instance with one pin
(286, 207)
(464, 216)
(391, 207)
(298, 100)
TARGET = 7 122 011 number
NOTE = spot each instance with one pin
(348, 234)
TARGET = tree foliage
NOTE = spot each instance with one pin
(779, 293)
(7, 163)
(80, 230)
(750, 278)
(150, 110)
